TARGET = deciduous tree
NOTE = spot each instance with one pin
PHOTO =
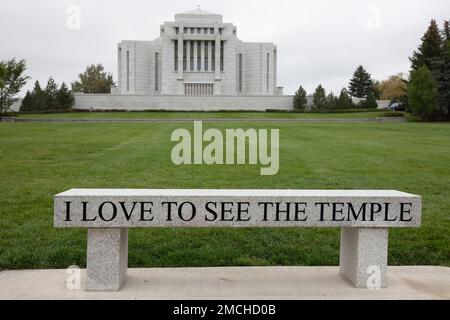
(12, 80)
(392, 88)
(93, 80)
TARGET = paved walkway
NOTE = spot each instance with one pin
(174, 120)
(233, 283)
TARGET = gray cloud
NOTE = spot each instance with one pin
(318, 41)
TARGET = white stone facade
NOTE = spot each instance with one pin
(181, 102)
(197, 54)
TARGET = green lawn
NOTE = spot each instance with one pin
(39, 160)
(203, 115)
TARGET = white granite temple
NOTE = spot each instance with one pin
(197, 54)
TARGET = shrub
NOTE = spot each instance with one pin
(423, 94)
(393, 114)
(369, 103)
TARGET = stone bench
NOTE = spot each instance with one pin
(363, 216)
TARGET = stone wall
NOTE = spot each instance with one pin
(180, 102)
(188, 103)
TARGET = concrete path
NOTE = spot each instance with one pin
(232, 283)
(175, 120)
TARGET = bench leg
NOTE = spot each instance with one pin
(107, 259)
(363, 256)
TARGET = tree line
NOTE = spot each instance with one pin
(425, 93)
(361, 86)
(52, 98)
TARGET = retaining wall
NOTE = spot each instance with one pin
(181, 103)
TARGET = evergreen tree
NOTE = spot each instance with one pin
(430, 48)
(361, 84)
(440, 68)
(51, 91)
(26, 102)
(441, 74)
(423, 94)
(39, 99)
(446, 31)
(65, 98)
(434, 54)
(331, 102)
(371, 101)
(319, 98)
(50, 99)
(344, 100)
(300, 99)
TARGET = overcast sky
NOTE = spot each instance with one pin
(319, 41)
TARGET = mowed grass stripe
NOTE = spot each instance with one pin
(204, 115)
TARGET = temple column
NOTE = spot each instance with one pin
(218, 76)
(188, 55)
(209, 56)
(180, 76)
(202, 56)
(195, 55)
(180, 56)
